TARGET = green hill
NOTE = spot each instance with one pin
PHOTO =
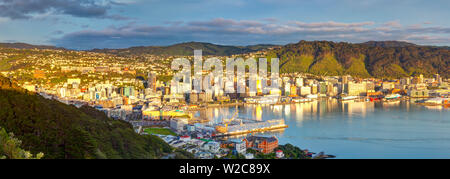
(377, 59)
(65, 132)
(326, 65)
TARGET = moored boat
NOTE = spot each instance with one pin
(392, 96)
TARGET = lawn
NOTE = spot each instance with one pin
(161, 131)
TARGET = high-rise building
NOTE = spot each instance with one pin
(314, 89)
(323, 88)
(299, 82)
(305, 90)
(438, 78)
(356, 89)
(151, 81)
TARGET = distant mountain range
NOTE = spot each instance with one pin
(368, 59)
(28, 46)
(186, 49)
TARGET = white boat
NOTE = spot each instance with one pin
(312, 96)
(392, 96)
(346, 98)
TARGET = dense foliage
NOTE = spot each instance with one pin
(10, 147)
(377, 59)
(64, 131)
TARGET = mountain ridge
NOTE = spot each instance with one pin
(19, 45)
(380, 60)
(187, 48)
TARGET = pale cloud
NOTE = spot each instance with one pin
(393, 24)
(26, 9)
(247, 32)
(2, 19)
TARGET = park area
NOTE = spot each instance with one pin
(161, 131)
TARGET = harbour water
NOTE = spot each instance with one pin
(399, 129)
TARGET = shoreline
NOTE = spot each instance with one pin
(313, 100)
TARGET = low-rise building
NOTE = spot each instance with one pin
(279, 154)
(178, 124)
(418, 93)
(212, 146)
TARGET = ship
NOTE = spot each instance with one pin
(392, 96)
(346, 98)
(234, 126)
(237, 127)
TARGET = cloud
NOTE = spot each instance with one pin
(3, 19)
(393, 24)
(247, 32)
(57, 32)
(25, 9)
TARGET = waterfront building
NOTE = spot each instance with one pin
(305, 90)
(275, 92)
(370, 86)
(299, 82)
(193, 97)
(314, 89)
(205, 96)
(388, 86)
(287, 89)
(418, 93)
(263, 144)
(355, 89)
(323, 88)
(293, 90)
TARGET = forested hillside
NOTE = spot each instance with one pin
(371, 59)
(64, 131)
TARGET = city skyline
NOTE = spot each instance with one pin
(126, 23)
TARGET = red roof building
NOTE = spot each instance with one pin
(264, 144)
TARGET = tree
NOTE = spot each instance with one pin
(10, 148)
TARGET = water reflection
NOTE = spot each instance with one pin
(315, 110)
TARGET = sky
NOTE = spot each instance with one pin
(88, 24)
